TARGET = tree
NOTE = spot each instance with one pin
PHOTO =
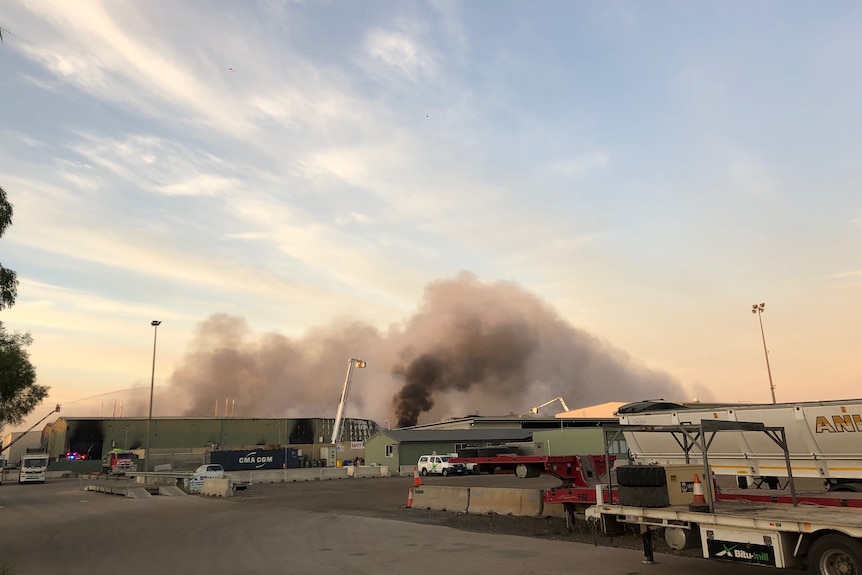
(8, 278)
(19, 394)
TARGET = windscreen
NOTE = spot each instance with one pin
(36, 461)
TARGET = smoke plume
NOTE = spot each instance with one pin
(470, 347)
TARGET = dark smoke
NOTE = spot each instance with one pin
(493, 355)
(470, 347)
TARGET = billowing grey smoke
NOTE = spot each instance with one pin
(475, 354)
(471, 347)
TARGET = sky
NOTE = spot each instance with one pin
(302, 182)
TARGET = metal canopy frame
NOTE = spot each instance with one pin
(701, 435)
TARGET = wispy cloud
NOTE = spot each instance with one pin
(401, 52)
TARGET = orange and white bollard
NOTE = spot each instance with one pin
(699, 502)
(417, 480)
(410, 497)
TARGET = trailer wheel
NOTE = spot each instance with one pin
(524, 471)
(835, 554)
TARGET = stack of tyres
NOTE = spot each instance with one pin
(642, 486)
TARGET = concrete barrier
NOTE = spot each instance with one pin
(276, 475)
(441, 498)
(523, 502)
(304, 474)
(137, 493)
(370, 471)
(553, 510)
(171, 491)
(332, 473)
(217, 487)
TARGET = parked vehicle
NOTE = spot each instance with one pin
(825, 538)
(207, 471)
(3, 463)
(439, 465)
(34, 466)
(118, 462)
(823, 439)
(472, 468)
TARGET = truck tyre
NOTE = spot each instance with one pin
(641, 476)
(423, 472)
(835, 554)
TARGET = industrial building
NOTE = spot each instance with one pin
(535, 436)
(92, 437)
(14, 445)
(188, 441)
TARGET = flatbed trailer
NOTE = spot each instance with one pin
(583, 470)
(827, 499)
(827, 540)
(521, 465)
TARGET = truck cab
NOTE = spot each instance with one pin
(118, 462)
(34, 466)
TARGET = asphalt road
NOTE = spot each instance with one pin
(357, 526)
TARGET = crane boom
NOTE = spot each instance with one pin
(32, 427)
(339, 415)
(558, 398)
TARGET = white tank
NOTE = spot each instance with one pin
(824, 438)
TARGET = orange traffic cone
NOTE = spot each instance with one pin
(417, 480)
(699, 502)
(410, 497)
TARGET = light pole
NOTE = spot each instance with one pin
(147, 466)
(758, 309)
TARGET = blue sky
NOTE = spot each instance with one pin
(649, 170)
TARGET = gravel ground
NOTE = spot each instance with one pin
(386, 498)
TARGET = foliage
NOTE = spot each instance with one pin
(8, 279)
(19, 394)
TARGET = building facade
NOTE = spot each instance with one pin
(92, 437)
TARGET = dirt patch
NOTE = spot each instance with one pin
(386, 498)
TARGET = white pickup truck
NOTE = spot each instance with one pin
(207, 471)
(439, 465)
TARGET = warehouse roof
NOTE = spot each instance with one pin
(480, 434)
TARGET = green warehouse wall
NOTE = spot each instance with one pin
(97, 436)
(576, 441)
(403, 453)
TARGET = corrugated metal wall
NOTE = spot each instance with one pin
(97, 436)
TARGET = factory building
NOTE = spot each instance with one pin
(170, 437)
(398, 448)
